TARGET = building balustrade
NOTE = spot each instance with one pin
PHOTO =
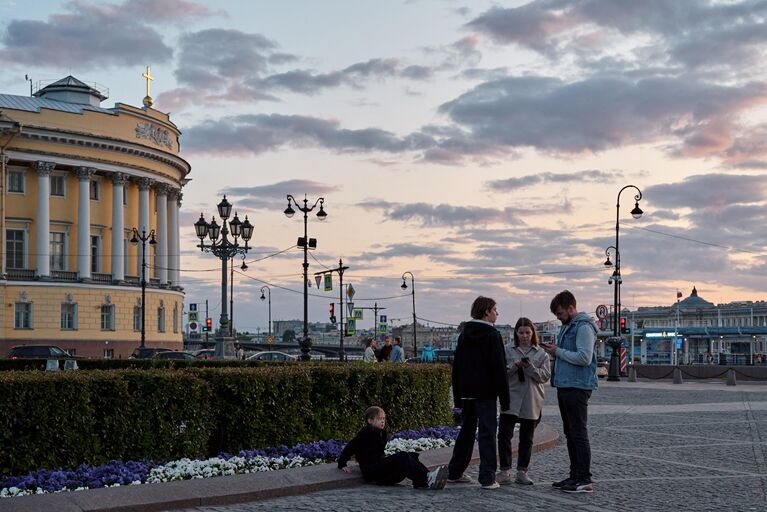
(27, 274)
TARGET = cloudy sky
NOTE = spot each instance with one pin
(479, 145)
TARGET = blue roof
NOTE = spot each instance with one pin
(32, 104)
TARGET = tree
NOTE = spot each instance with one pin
(288, 336)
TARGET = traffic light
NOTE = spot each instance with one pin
(332, 313)
(624, 326)
(208, 325)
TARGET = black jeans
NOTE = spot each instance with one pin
(506, 433)
(395, 468)
(482, 413)
(573, 406)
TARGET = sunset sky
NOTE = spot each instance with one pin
(479, 145)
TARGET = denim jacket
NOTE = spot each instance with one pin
(576, 363)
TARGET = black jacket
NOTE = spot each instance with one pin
(367, 447)
(479, 367)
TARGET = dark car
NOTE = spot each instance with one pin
(146, 352)
(271, 355)
(602, 367)
(175, 356)
(38, 352)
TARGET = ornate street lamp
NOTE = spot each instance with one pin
(616, 280)
(412, 290)
(143, 237)
(223, 248)
(307, 243)
(269, 291)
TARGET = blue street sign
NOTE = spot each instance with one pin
(192, 307)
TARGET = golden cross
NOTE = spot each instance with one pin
(148, 77)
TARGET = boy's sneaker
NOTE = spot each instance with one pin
(504, 477)
(436, 479)
(463, 479)
(522, 478)
(494, 485)
(562, 483)
(578, 486)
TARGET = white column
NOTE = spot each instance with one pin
(118, 226)
(143, 220)
(174, 259)
(162, 233)
(43, 246)
(84, 221)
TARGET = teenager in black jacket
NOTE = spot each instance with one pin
(479, 381)
(368, 446)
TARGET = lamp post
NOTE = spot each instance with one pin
(306, 243)
(223, 248)
(143, 237)
(615, 343)
(412, 290)
(269, 291)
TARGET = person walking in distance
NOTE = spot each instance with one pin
(397, 355)
(527, 371)
(479, 380)
(575, 377)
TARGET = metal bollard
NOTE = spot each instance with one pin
(678, 376)
(731, 377)
(632, 374)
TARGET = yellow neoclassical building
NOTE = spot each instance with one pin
(76, 179)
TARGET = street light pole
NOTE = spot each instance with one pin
(412, 286)
(615, 342)
(306, 243)
(269, 291)
(224, 249)
(143, 237)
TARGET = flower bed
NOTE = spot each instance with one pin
(118, 473)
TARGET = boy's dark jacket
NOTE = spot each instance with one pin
(479, 366)
(367, 447)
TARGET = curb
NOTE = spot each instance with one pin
(226, 490)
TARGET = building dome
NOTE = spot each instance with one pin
(694, 301)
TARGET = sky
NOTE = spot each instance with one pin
(479, 145)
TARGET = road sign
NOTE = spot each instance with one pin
(269, 339)
(193, 316)
(383, 328)
(351, 327)
(193, 326)
(328, 281)
(602, 311)
(357, 314)
(602, 324)
(383, 319)
(350, 291)
(318, 279)
(350, 308)
(192, 307)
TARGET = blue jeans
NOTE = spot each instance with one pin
(480, 413)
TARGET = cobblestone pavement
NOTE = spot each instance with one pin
(656, 457)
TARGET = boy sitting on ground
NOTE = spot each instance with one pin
(368, 446)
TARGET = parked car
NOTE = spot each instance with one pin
(602, 367)
(39, 352)
(444, 355)
(272, 355)
(175, 356)
(205, 353)
(146, 352)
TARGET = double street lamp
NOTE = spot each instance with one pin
(306, 243)
(269, 291)
(616, 280)
(412, 290)
(223, 248)
(143, 237)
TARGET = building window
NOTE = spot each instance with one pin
(95, 252)
(68, 316)
(161, 319)
(22, 318)
(95, 190)
(136, 318)
(58, 185)
(57, 250)
(108, 317)
(109, 353)
(16, 182)
(14, 248)
(175, 318)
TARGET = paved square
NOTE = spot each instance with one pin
(655, 447)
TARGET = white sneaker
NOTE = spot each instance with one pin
(436, 479)
(522, 478)
(504, 477)
(494, 485)
(463, 479)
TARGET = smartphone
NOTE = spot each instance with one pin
(525, 359)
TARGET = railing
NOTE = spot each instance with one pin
(27, 274)
(100, 277)
(132, 280)
(63, 275)
(20, 274)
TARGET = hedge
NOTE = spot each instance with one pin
(63, 419)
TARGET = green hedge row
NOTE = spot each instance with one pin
(122, 364)
(62, 419)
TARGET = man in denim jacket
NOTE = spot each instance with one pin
(575, 377)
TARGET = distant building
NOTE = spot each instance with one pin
(76, 179)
